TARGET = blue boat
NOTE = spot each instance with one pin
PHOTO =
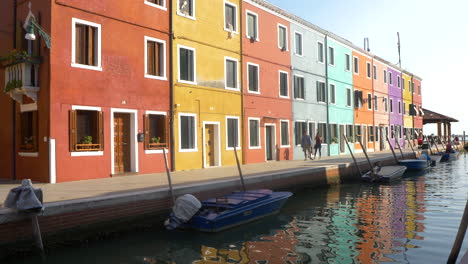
(415, 164)
(449, 156)
(217, 214)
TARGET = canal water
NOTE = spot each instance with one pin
(414, 220)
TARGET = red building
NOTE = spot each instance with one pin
(93, 105)
(266, 84)
(417, 105)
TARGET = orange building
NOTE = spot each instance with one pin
(266, 84)
(380, 105)
(363, 103)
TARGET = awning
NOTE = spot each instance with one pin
(422, 112)
(416, 110)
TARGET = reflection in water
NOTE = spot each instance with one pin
(414, 220)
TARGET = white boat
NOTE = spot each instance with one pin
(384, 174)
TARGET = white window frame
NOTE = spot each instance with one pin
(348, 67)
(285, 34)
(299, 76)
(281, 134)
(238, 147)
(258, 133)
(351, 97)
(334, 92)
(195, 149)
(194, 65)
(374, 71)
(163, 42)
(356, 69)
(236, 26)
(398, 81)
(248, 12)
(237, 74)
(322, 51)
(279, 84)
(193, 17)
(302, 44)
(325, 94)
(368, 70)
(331, 63)
(163, 7)
(156, 151)
(248, 78)
(88, 153)
(73, 45)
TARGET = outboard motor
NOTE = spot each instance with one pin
(185, 207)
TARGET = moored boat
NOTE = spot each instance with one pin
(234, 209)
(415, 164)
(449, 156)
(384, 174)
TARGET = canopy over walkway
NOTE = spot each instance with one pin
(431, 117)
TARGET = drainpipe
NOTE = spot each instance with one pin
(412, 104)
(171, 90)
(326, 94)
(242, 118)
(13, 106)
(372, 99)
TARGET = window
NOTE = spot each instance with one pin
(252, 77)
(386, 105)
(412, 87)
(409, 86)
(331, 54)
(419, 89)
(376, 103)
(348, 62)
(399, 107)
(254, 133)
(390, 78)
(398, 81)
(334, 133)
(282, 38)
(376, 129)
(350, 133)
(375, 72)
(403, 84)
(252, 26)
(321, 92)
(29, 131)
(155, 58)
(369, 101)
(283, 81)
(320, 56)
(357, 99)
(298, 42)
(332, 94)
(187, 65)
(357, 129)
(157, 3)
(231, 74)
(284, 133)
(322, 130)
(299, 128)
(385, 76)
(156, 129)
(392, 133)
(368, 65)
(371, 133)
(86, 130)
(186, 8)
(356, 65)
(188, 132)
(348, 97)
(86, 45)
(230, 17)
(391, 105)
(311, 129)
(232, 132)
(299, 87)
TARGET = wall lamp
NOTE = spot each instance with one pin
(30, 25)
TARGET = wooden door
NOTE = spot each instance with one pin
(209, 145)
(342, 141)
(122, 155)
(269, 142)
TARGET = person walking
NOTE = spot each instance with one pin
(306, 144)
(318, 145)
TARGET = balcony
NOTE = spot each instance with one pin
(22, 79)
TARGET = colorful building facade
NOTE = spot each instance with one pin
(417, 106)
(408, 86)
(395, 101)
(380, 101)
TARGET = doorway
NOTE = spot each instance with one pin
(270, 148)
(364, 136)
(342, 140)
(382, 137)
(122, 143)
(211, 147)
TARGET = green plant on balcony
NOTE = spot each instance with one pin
(87, 140)
(13, 84)
(17, 56)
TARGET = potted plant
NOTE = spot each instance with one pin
(17, 56)
(155, 140)
(13, 84)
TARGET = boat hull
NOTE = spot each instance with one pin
(241, 215)
(386, 174)
(449, 156)
(414, 164)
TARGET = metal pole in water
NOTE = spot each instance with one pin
(37, 233)
(459, 239)
(365, 153)
(399, 147)
(393, 151)
(239, 168)
(429, 145)
(352, 155)
(168, 176)
(409, 142)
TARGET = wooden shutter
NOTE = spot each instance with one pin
(157, 59)
(167, 130)
(72, 130)
(100, 132)
(146, 130)
(91, 46)
(35, 130)
(78, 44)
(150, 46)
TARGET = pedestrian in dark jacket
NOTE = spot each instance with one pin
(306, 144)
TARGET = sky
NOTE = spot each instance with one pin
(433, 37)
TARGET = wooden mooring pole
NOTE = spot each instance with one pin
(169, 177)
(239, 168)
(459, 239)
(352, 155)
(393, 151)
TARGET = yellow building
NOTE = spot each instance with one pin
(207, 83)
(407, 86)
